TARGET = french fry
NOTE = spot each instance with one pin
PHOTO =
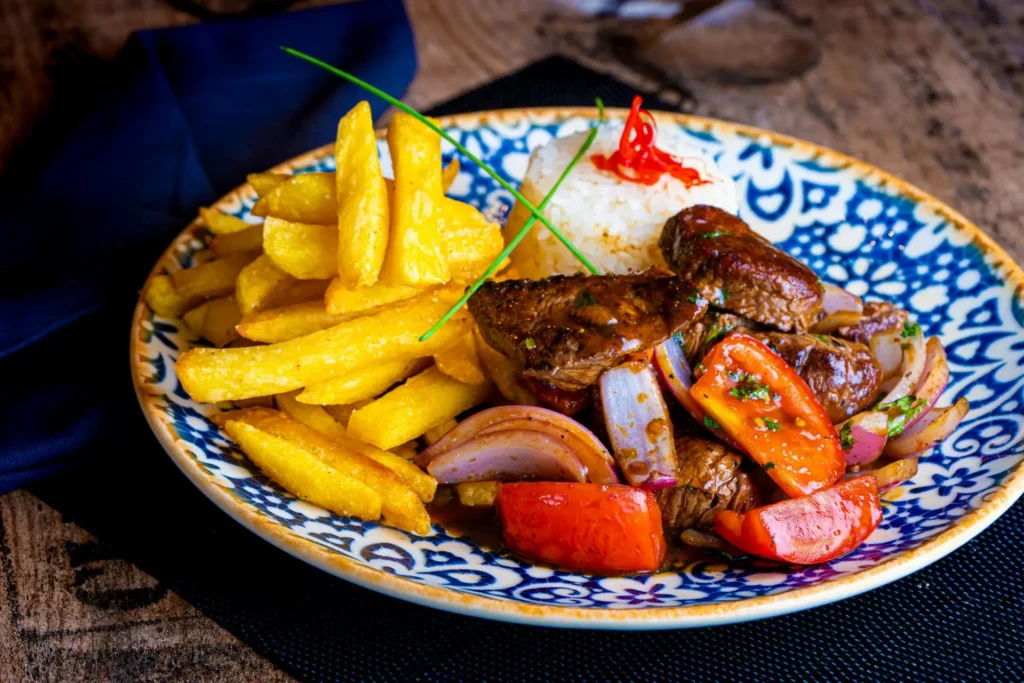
(250, 239)
(212, 375)
(401, 506)
(220, 223)
(303, 250)
(406, 451)
(297, 292)
(319, 419)
(301, 198)
(288, 322)
(505, 373)
(414, 254)
(360, 384)
(160, 296)
(434, 434)
(449, 174)
(305, 473)
(363, 210)
(460, 361)
(478, 493)
(194, 319)
(343, 413)
(407, 411)
(257, 282)
(210, 280)
(341, 299)
(470, 241)
(263, 183)
(219, 321)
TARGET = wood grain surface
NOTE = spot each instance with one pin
(931, 90)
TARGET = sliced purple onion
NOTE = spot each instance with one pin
(930, 430)
(934, 378)
(863, 437)
(911, 368)
(508, 455)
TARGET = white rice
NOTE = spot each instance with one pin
(614, 222)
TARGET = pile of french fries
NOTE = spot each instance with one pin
(314, 317)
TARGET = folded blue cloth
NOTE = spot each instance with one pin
(189, 113)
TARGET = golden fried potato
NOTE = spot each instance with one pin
(303, 250)
(415, 255)
(210, 280)
(219, 321)
(305, 473)
(343, 413)
(299, 291)
(361, 383)
(301, 198)
(449, 174)
(362, 200)
(288, 322)
(220, 223)
(434, 434)
(194, 319)
(311, 416)
(401, 506)
(263, 183)
(407, 411)
(478, 493)
(212, 375)
(460, 361)
(341, 299)
(250, 239)
(406, 451)
(257, 282)
(470, 241)
(506, 374)
(160, 296)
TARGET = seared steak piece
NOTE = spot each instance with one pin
(740, 271)
(844, 375)
(703, 334)
(878, 316)
(709, 481)
(565, 330)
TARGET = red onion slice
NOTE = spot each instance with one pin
(840, 308)
(638, 425)
(934, 378)
(508, 455)
(863, 437)
(895, 473)
(911, 368)
(936, 425)
(885, 347)
(598, 461)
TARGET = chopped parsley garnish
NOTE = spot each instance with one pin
(749, 386)
(902, 411)
(769, 466)
(712, 235)
(529, 344)
(846, 439)
(585, 299)
(718, 332)
(693, 298)
(910, 330)
(825, 340)
(723, 294)
(711, 424)
(772, 426)
(678, 336)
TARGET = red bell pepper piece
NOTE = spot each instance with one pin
(766, 407)
(600, 528)
(817, 528)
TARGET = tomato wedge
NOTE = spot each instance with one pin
(564, 401)
(767, 408)
(600, 528)
(817, 528)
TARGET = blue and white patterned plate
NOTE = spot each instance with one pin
(854, 225)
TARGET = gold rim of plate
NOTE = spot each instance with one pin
(963, 530)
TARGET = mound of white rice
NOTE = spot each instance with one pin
(614, 222)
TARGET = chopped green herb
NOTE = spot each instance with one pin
(772, 425)
(901, 412)
(725, 554)
(712, 235)
(769, 466)
(529, 343)
(825, 340)
(699, 367)
(750, 386)
(585, 299)
(905, 347)
(846, 439)
(910, 330)
(718, 332)
(723, 294)
(678, 336)
(693, 298)
(711, 424)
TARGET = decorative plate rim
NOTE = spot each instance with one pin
(713, 614)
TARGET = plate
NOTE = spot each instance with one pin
(856, 226)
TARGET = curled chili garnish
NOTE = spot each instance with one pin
(638, 159)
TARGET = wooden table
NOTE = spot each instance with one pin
(931, 90)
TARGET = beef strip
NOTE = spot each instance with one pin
(712, 328)
(740, 271)
(844, 375)
(565, 330)
(878, 316)
(709, 480)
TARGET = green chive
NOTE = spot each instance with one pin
(711, 424)
(434, 127)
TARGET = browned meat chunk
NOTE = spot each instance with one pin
(703, 334)
(740, 271)
(566, 329)
(844, 375)
(709, 481)
(878, 316)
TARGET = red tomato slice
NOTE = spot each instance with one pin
(564, 401)
(817, 528)
(600, 528)
(767, 408)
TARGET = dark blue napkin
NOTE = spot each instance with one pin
(189, 112)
